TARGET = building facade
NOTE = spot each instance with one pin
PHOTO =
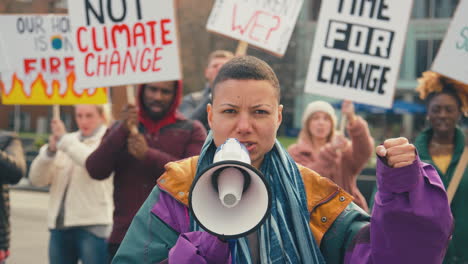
(429, 22)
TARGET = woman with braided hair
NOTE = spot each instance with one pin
(442, 146)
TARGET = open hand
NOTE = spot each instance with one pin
(137, 146)
(397, 151)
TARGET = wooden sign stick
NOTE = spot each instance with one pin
(242, 48)
(131, 101)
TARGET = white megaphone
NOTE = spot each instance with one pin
(231, 198)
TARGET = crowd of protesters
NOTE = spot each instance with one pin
(118, 190)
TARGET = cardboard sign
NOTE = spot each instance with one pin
(124, 42)
(357, 50)
(267, 24)
(37, 65)
(452, 57)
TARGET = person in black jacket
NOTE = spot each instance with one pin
(12, 168)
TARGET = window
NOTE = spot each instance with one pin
(426, 51)
(434, 8)
(314, 9)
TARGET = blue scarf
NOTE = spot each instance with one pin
(285, 237)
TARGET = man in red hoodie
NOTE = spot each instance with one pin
(137, 159)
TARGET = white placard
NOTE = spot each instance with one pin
(357, 50)
(267, 24)
(452, 57)
(32, 45)
(124, 42)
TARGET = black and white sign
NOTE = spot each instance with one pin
(357, 50)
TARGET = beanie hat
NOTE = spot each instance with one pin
(318, 106)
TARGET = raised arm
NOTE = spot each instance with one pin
(75, 149)
(43, 168)
(362, 144)
(102, 162)
(157, 158)
(411, 220)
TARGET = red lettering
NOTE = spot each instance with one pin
(27, 65)
(43, 64)
(79, 40)
(133, 63)
(69, 66)
(114, 61)
(106, 39)
(119, 29)
(87, 64)
(165, 32)
(278, 23)
(139, 32)
(256, 23)
(102, 63)
(145, 69)
(152, 25)
(94, 37)
(239, 27)
(54, 63)
(156, 58)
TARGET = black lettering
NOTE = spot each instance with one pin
(111, 13)
(361, 74)
(383, 80)
(20, 25)
(38, 25)
(382, 6)
(337, 70)
(89, 8)
(320, 71)
(348, 79)
(138, 7)
(340, 6)
(374, 80)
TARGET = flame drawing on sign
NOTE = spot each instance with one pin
(41, 94)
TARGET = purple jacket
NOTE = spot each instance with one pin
(134, 179)
(411, 223)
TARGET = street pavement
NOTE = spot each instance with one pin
(29, 233)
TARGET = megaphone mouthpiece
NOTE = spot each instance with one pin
(230, 185)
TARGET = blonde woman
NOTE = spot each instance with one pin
(80, 208)
(328, 152)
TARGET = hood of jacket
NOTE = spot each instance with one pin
(153, 126)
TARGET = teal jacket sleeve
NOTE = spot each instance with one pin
(149, 239)
(350, 222)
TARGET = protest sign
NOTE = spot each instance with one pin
(37, 65)
(357, 50)
(124, 42)
(452, 58)
(267, 24)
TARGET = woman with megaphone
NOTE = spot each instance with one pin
(309, 219)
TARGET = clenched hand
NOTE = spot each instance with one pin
(397, 151)
(137, 146)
